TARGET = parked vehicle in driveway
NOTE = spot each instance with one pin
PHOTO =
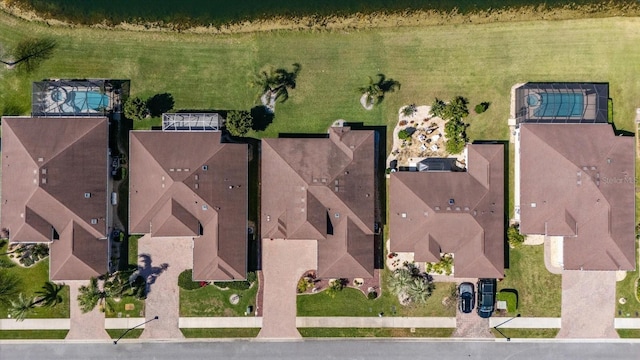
(486, 297)
(466, 297)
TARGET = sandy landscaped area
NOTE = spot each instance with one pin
(427, 139)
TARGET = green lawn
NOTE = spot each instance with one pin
(480, 62)
(132, 249)
(31, 280)
(132, 334)
(118, 308)
(351, 302)
(33, 334)
(629, 333)
(375, 332)
(211, 301)
(526, 333)
(539, 291)
(221, 333)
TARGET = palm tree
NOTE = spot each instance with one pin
(89, 296)
(114, 285)
(8, 287)
(376, 90)
(49, 296)
(277, 83)
(399, 281)
(420, 290)
(20, 307)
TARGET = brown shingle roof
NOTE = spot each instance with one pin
(422, 221)
(182, 183)
(578, 181)
(48, 166)
(323, 189)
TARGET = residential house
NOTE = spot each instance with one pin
(55, 190)
(451, 210)
(191, 184)
(323, 190)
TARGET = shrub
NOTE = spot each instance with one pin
(444, 266)
(303, 285)
(409, 110)
(437, 108)
(454, 146)
(185, 280)
(235, 285)
(403, 134)
(482, 107)
(372, 295)
(135, 108)
(456, 109)
(239, 122)
(514, 237)
(252, 277)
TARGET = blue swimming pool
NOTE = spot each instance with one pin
(557, 104)
(89, 100)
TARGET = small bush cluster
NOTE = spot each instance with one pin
(482, 107)
(444, 266)
(409, 110)
(304, 284)
(29, 254)
(514, 237)
(403, 134)
(252, 276)
(185, 280)
(372, 295)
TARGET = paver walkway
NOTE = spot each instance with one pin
(283, 263)
(161, 261)
(588, 304)
(89, 326)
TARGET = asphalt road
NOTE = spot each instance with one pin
(328, 349)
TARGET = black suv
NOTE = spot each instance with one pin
(486, 297)
(466, 297)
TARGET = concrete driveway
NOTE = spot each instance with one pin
(89, 326)
(161, 260)
(588, 304)
(283, 263)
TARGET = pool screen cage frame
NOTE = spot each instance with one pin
(595, 109)
(191, 121)
(41, 105)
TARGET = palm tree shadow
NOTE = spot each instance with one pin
(149, 272)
